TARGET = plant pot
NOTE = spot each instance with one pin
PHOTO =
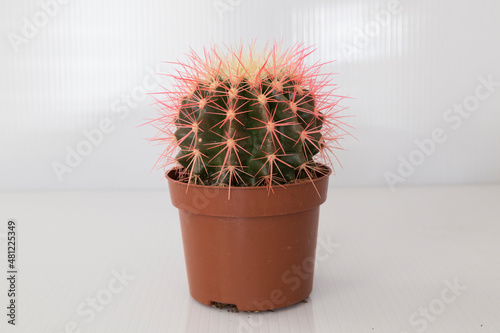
(255, 250)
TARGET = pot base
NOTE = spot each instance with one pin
(234, 308)
(255, 265)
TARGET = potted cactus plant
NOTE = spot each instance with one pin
(249, 134)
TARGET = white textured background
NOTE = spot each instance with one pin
(65, 69)
(67, 66)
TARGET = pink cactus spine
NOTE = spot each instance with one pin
(236, 118)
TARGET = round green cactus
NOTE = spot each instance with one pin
(241, 119)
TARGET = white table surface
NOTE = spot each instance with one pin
(393, 255)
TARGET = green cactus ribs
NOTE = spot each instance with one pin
(249, 118)
(241, 134)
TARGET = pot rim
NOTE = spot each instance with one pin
(247, 188)
(249, 201)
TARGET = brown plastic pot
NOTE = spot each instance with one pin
(255, 250)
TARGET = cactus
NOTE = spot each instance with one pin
(238, 118)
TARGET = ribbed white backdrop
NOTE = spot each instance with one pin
(65, 66)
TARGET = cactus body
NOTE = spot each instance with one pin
(236, 121)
